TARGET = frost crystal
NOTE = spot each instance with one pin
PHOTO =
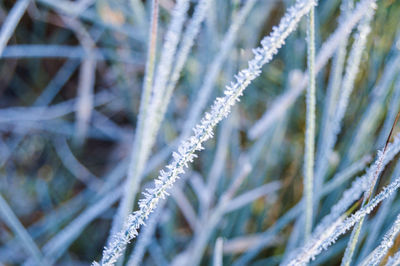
(388, 239)
(323, 240)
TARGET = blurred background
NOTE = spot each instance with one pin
(71, 78)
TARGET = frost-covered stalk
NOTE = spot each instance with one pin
(267, 236)
(218, 252)
(375, 257)
(310, 128)
(145, 237)
(136, 162)
(212, 72)
(386, 207)
(186, 44)
(326, 238)
(204, 130)
(364, 30)
(351, 246)
(145, 137)
(379, 220)
(352, 194)
(360, 185)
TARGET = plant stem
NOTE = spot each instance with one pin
(310, 128)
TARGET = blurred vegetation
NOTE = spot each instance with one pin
(43, 164)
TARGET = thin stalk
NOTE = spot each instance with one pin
(367, 196)
(218, 252)
(149, 122)
(137, 164)
(310, 128)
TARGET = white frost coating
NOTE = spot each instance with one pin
(359, 186)
(375, 257)
(204, 130)
(351, 72)
(146, 130)
(267, 236)
(320, 242)
(145, 237)
(364, 29)
(378, 221)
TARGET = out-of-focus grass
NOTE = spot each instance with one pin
(48, 188)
